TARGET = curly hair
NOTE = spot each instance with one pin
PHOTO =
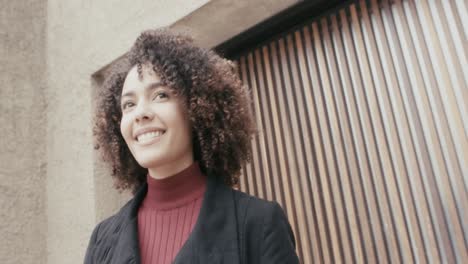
(217, 102)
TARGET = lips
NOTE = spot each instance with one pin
(147, 134)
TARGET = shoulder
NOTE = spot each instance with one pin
(264, 230)
(111, 225)
(255, 208)
(106, 234)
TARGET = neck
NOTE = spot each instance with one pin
(170, 169)
(175, 190)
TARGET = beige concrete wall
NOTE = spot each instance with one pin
(23, 224)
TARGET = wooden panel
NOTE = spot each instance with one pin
(362, 118)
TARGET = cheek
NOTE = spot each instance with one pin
(182, 122)
(186, 130)
(180, 129)
(125, 128)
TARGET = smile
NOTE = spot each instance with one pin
(149, 136)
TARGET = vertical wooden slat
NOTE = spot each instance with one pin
(291, 135)
(448, 104)
(243, 176)
(331, 134)
(459, 39)
(440, 150)
(390, 109)
(321, 202)
(416, 99)
(384, 132)
(259, 143)
(462, 13)
(358, 124)
(363, 132)
(450, 127)
(252, 186)
(270, 110)
(325, 143)
(341, 91)
(285, 145)
(337, 110)
(398, 78)
(302, 139)
(373, 136)
(262, 121)
(445, 41)
(308, 177)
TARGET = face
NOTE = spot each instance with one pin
(155, 124)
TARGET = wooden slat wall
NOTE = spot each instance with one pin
(363, 132)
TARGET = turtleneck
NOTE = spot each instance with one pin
(168, 214)
(175, 190)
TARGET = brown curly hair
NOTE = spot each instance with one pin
(217, 102)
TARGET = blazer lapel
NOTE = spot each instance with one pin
(214, 237)
(127, 248)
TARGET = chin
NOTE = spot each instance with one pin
(150, 164)
(147, 157)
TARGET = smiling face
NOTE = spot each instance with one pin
(155, 124)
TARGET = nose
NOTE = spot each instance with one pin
(143, 112)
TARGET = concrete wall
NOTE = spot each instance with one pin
(23, 223)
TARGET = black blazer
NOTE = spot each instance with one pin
(232, 227)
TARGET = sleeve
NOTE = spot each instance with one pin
(278, 244)
(90, 250)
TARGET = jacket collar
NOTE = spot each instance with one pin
(213, 237)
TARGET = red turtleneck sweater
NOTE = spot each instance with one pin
(168, 214)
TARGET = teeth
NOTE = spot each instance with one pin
(148, 136)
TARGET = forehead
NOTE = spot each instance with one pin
(134, 79)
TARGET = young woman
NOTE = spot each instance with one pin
(174, 123)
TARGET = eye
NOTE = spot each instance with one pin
(160, 96)
(127, 104)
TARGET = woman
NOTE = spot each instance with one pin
(175, 125)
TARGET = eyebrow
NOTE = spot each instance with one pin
(149, 87)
